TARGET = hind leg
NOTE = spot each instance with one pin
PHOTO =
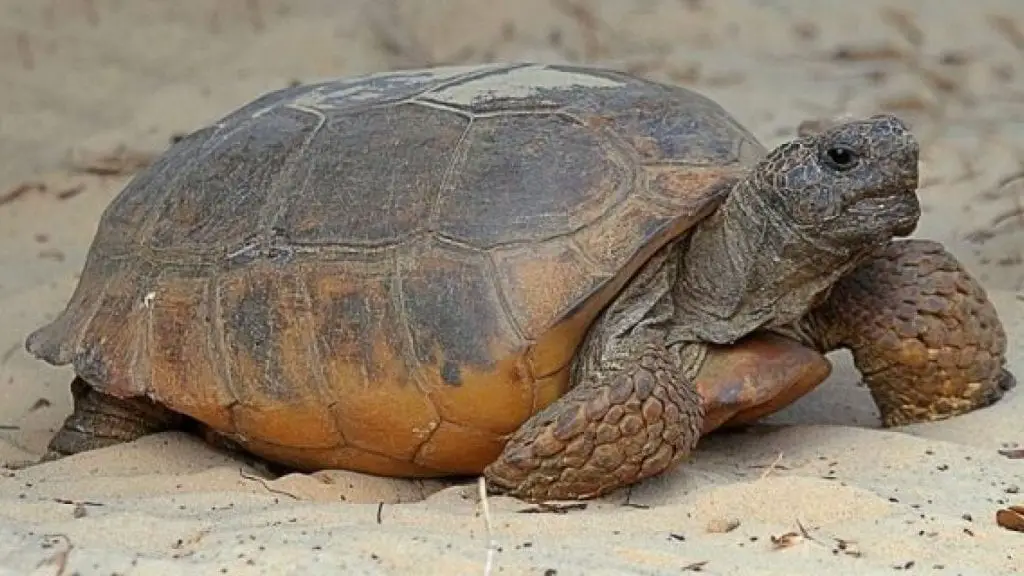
(100, 420)
(922, 331)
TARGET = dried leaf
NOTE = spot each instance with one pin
(786, 540)
(1011, 518)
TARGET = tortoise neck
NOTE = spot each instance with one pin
(747, 267)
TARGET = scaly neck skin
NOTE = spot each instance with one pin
(748, 266)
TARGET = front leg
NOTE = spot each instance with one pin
(922, 332)
(618, 425)
(633, 410)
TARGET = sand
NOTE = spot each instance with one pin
(818, 488)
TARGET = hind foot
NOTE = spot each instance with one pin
(100, 420)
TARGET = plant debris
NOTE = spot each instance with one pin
(786, 540)
(21, 190)
(552, 508)
(1013, 453)
(790, 539)
(722, 525)
(77, 502)
(847, 547)
(492, 544)
(25, 188)
(266, 486)
(1011, 518)
(71, 192)
(120, 161)
(59, 559)
(867, 53)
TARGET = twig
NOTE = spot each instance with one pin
(803, 530)
(21, 190)
(58, 559)
(266, 486)
(792, 538)
(491, 544)
(553, 508)
(771, 467)
(1007, 215)
(73, 502)
(69, 193)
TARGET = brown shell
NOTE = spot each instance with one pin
(389, 273)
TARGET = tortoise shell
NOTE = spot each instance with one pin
(390, 273)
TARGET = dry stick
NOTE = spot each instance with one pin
(59, 560)
(1015, 213)
(491, 544)
(771, 467)
(266, 486)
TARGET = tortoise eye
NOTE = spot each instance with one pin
(841, 158)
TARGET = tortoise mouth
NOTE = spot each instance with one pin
(900, 211)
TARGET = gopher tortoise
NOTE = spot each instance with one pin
(559, 277)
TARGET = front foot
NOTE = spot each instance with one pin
(616, 427)
(922, 332)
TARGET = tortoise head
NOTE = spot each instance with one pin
(809, 212)
(852, 183)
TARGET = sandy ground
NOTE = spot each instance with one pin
(83, 80)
